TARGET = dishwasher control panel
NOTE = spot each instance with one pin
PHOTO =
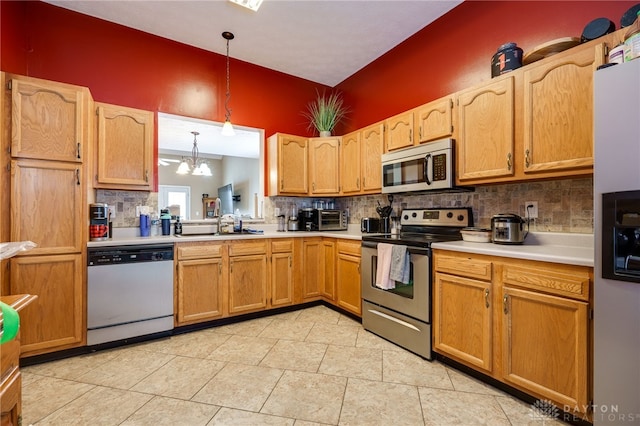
(128, 254)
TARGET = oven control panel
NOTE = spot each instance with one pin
(460, 217)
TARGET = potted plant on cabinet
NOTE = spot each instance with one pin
(325, 112)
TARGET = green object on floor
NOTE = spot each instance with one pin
(10, 323)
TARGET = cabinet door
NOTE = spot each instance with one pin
(281, 279)
(200, 284)
(399, 131)
(328, 284)
(247, 283)
(312, 270)
(486, 131)
(46, 205)
(544, 345)
(371, 142)
(350, 164)
(288, 163)
(125, 147)
(434, 120)
(462, 319)
(55, 319)
(558, 112)
(348, 283)
(47, 120)
(324, 157)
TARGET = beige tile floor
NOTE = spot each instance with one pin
(312, 366)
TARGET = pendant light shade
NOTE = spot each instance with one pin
(227, 128)
(200, 167)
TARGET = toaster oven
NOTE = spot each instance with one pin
(322, 220)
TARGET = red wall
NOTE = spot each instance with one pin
(455, 51)
(128, 67)
(132, 68)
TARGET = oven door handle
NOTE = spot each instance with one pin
(426, 169)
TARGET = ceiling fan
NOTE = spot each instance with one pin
(166, 161)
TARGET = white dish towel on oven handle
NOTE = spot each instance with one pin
(400, 264)
(384, 267)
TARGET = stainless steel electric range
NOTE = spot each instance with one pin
(401, 311)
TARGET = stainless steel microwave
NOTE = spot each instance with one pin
(425, 167)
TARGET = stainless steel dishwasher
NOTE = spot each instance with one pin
(129, 292)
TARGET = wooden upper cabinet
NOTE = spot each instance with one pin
(125, 147)
(558, 111)
(399, 131)
(288, 165)
(434, 120)
(47, 205)
(324, 157)
(350, 164)
(371, 143)
(48, 120)
(486, 131)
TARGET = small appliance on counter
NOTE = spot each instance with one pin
(98, 222)
(322, 220)
(370, 225)
(508, 228)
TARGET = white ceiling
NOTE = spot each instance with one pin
(324, 41)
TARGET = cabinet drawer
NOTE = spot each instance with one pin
(349, 247)
(281, 246)
(464, 266)
(199, 252)
(561, 280)
(238, 248)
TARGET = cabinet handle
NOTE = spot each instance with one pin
(486, 297)
(526, 158)
(411, 135)
(505, 304)
(146, 176)
(289, 261)
(313, 185)
(509, 164)
(220, 268)
(231, 267)
(77, 176)
(357, 183)
(281, 184)
(364, 182)
(420, 132)
(78, 152)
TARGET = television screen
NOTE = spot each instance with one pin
(225, 193)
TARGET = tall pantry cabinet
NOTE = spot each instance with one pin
(48, 145)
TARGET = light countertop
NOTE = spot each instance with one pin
(566, 248)
(129, 236)
(570, 249)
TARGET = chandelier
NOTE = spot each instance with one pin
(197, 166)
(227, 128)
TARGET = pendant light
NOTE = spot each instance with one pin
(200, 167)
(227, 128)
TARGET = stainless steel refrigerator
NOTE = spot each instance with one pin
(616, 301)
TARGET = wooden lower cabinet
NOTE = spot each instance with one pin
(281, 273)
(463, 319)
(348, 294)
(328, 284)
(544, 345)
(56, 319)
(201, 274)
(248, 276)
(525, 323)
(312, 270)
